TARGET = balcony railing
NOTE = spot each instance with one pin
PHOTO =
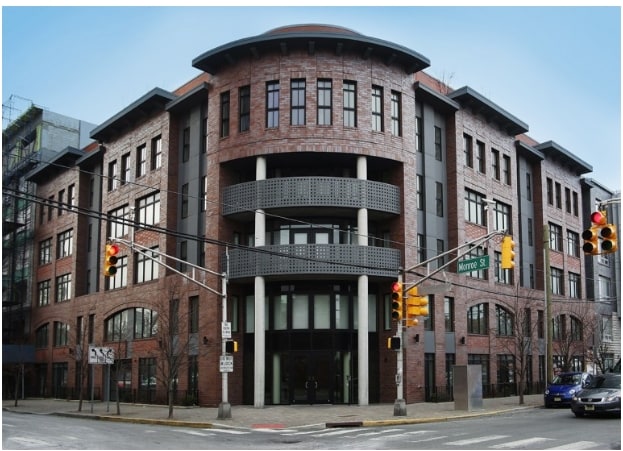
(311, 191)
(301, 259)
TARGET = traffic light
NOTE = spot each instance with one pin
(110, 260)
(231, 346)
(397, 301)
(416, 306)
(393, 343)
(508, 252)
(609, 238)
(591, 235)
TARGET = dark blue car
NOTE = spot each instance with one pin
(563, 387)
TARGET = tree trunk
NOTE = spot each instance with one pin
(170, 399)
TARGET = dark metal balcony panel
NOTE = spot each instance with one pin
(313, 259)
(311, 191)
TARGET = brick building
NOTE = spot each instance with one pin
(312, 166)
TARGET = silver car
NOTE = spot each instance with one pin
(602, 395)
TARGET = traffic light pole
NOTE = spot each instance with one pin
(400, 406)
(224, 408)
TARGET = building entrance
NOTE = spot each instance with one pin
(312, 378)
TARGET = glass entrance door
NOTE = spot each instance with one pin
(312, 380)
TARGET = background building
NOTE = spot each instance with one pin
(313, 166)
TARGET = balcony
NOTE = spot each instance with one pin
(336, 192)
(313, 260)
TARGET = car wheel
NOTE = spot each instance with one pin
(579, 414)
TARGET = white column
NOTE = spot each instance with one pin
(362, 296)
(259, 382)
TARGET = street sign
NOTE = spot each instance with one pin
(225, 329)
(99, 355)
(227, 364)
(473, 264)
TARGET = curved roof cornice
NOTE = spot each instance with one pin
(310, 38)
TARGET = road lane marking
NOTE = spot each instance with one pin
(522, 443)
(471, 441)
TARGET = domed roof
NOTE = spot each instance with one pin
(310, 37)
(314, 28)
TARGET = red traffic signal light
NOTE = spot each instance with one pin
(397, 300)
(599, 218)
(110, 260)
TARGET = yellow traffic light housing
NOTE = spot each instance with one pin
(397, 307)
(393, 343)
(231, 346)
(609, 238)
(508, 252)
(110, 260)
(416, 306)
(591, 241)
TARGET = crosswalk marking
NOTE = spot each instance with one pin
(471, 441)
(577, 445)
(521, 443)
(193, 432)
(228, 431)
(336, 432)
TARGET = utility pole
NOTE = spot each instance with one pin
(400, 406)
(548, 305)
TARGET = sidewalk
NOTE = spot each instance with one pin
(270, 417)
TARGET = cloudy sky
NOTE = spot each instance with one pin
(558, 69)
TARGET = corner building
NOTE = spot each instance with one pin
(313, 166)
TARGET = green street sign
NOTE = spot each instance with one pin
(473, 264)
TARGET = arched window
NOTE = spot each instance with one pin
(505, 320)
(130, 324)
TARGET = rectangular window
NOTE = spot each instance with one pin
(118, 222)
(71, 196)
(448, 310)
(421, 248)
(528, 186)
(350, 104)
(125, 169)
(575, 286)
(439, 199)
(550, 191)
(244, 105)
(204, 193)
(145, 321)
(504, 320)
(377, 109)
(193, 314)
(61, 201)
(184, 200)
(183, 255)
(396, 113)
(477, 319)
(558, 195)
(567, 200)
(504, 276)
(530, 232)
(42, 337)
(438, 144)
(324, 102)
(43, 289)
(480, 157)
(540, 326)
(272, 104)
(61, 332)
(503, 217)
(147, 373)
(64, 244)
(419, 192)
(185, 144)
(468, 150)
(297, 102)
(141, 160)
(575, 203)
(475, 208)
(495, 163)
(149, 210)
(45, 251)
(50, 207)
(113, 181)
(419, 137)
(63, 288)
(558, 286)
(224, 131)
(506, 169)
(441, 248)
(156, 152)
(555, 237)
(573, 243)
(146, 265)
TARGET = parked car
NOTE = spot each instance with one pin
(603, 395)
(563, 387)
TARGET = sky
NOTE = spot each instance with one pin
(555, 68)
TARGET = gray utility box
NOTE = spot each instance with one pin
(467, 387)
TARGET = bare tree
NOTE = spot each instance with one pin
(573, 334)
(173, 342)
(519, 343)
